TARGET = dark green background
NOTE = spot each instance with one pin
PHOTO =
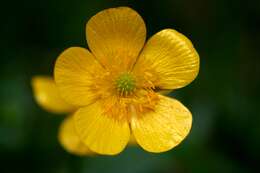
(223, 99)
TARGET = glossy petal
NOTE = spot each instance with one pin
(100, 132)
(70, 140)
(164, 128)
(75, 72)
(116, 36)
(164, 92)
(169, 59)
(47, 95)
(132, 141)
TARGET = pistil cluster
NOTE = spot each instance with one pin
(125, 84)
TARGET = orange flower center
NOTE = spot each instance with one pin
(124, 95)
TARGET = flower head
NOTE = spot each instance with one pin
(115, 83)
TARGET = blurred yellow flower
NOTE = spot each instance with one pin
(114, 86)
(47, 96)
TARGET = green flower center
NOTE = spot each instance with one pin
(125, 83)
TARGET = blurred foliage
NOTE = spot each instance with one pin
(224, 98)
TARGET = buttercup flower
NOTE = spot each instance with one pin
(115, 83)
(48, 97)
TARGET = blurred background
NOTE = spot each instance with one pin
(223, 99)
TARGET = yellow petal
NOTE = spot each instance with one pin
(47, 95)
(132, 141)
(100, 132)
(115, 36)
(164, 128)
(70, 140)
(164, 92)
(169, 60)
(75, 72)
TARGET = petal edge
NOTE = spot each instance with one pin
(69, 139)
(115, 36)
(101, 133)
(47, 95)
(164, 128)
(74, 72)
(170, 59)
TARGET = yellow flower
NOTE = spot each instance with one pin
(48, 97)
(115, 84)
